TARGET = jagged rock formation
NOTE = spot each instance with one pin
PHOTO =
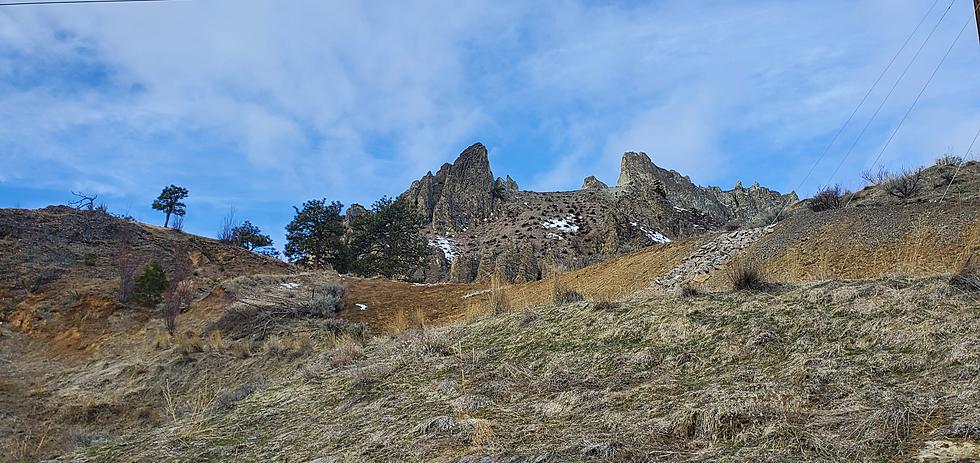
(481, 226)
(638, 171)
(461, 194)
(592, 183)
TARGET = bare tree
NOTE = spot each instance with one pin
(227, 231)
(127, 264)
(178, 223)
(84, 201)
(905, 185)
(176, 302)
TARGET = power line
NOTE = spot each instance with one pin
(916, 101)
(69, 2)
(890, 93)
(861, 103)
(966, 156)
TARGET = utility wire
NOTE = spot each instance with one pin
(860, 105)
(966, 157)
(890, 93)
(916, 101)
(70, 2)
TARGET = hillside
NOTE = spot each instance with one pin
(864, 371)
(59, 267)
(481, 225)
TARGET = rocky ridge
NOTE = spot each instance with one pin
(479, 225)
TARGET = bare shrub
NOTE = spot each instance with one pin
(605, 305)
(228, 397)
(249, 319)
(876, 177)
(346, 351)
(226, 232)
(176, 302)
(949, 160)
(690, 290)
(829, 198)
(562, 294)
(178, 223)
(499, 303)
(905, 185)
(968, 278)
(126, 265)
(746, 275)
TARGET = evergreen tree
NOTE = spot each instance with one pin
(388, 240)
(315, 236)
(250, 237)
(170, 202)
(150, 285)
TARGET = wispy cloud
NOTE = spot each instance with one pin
(271, 103)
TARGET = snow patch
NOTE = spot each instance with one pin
(289, 285)
(361, 306)
(565, 224)
(680, 209)
(654, 235)
(553, 236)
(445, 245)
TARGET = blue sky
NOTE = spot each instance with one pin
(262, 104)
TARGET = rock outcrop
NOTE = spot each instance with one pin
(592, 183)
(461, 194)
(481, 226)
(637, 171)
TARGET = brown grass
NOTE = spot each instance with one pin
(746, 275)
(346, 351)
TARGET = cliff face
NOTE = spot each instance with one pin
(461, 194)
(480, 226)
(638, 172)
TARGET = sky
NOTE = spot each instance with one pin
(260, 105)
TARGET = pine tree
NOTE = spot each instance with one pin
(315, 236)
(170, 202)
(150, 285)
(251, 237)
(388, 240)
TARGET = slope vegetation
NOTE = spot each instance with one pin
(865, 371)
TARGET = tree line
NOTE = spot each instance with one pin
(383, 240)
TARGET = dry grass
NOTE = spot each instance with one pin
(346, 351)
(968, 277)
(831, 372)
(746, 275)
(496, 297)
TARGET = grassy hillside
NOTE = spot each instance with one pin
(861, 371)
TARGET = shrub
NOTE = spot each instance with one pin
(949, 160)
(605, 305)
(831, 197)
(905, 185)
(346, 351)
(968, 278)
(243, 319)
(746, 275)
(89, 259)
(690, 291)
(878, 177)
(565, 295)
(126, 265)
(150, 285)
(176, 302)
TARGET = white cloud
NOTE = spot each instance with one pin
(310, 99)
